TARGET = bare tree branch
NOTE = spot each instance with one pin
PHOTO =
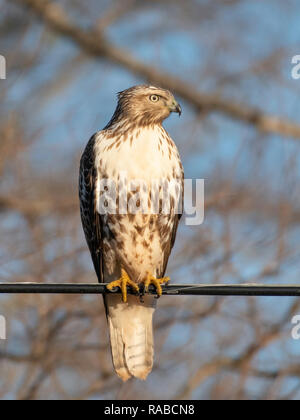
(97, 45)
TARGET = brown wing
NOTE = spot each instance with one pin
(91, 220)
(171, 242)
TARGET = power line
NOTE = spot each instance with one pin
(168, 290)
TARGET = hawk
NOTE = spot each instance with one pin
(130, 245)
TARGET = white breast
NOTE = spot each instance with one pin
(144, 154)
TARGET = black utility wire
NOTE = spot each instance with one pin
(173, 289)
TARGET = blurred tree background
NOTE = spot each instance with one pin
(229, 64)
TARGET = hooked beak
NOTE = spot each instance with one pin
(176, 108)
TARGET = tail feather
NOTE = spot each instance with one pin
(117, 349)
(131, 335)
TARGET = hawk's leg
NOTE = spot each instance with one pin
(122, 283)
(156, 283)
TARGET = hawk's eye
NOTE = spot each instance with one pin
(154, 98)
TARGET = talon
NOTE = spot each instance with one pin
(122, 283)
(156, 283)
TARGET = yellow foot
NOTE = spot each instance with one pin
(156, 282)
(123, 282)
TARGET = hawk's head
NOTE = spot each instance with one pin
(146, 105)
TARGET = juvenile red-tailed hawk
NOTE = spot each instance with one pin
(131, 243)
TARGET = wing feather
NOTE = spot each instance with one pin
(168, 248)
(91, 220)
